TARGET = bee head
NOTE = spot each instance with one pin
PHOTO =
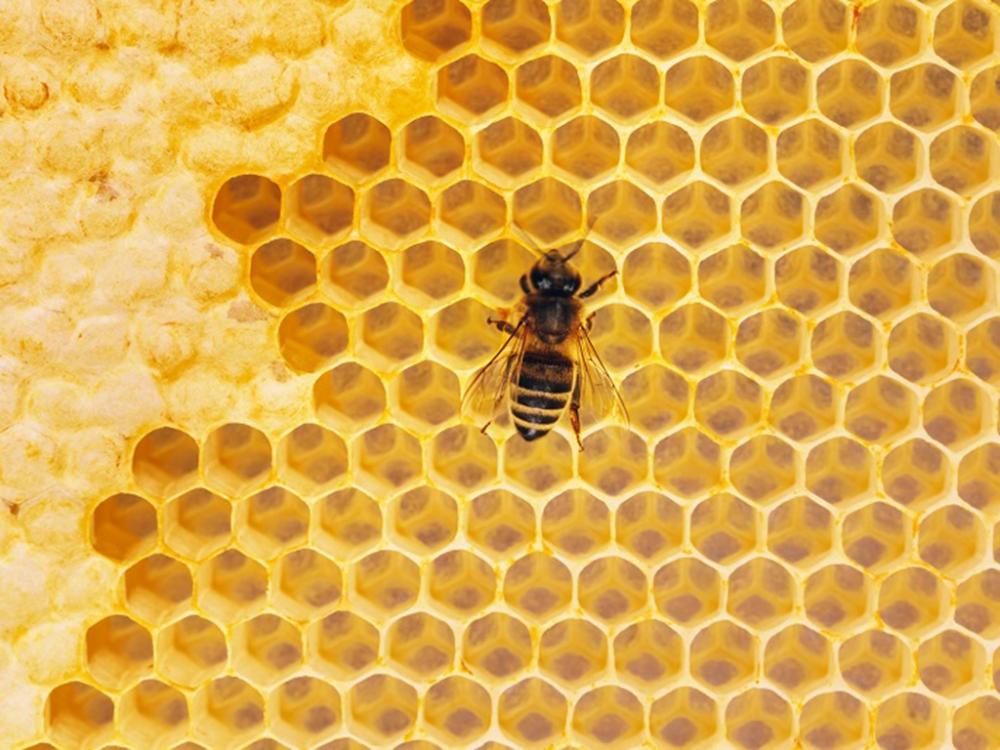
(553, 275)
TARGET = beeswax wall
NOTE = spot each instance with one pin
(249, 250)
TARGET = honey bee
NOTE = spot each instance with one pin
(548, 361)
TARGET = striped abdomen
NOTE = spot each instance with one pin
(541, 391)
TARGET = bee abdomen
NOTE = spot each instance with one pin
(540, 393)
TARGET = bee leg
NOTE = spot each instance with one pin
(486, 426)
(592, 289)
(590, 321)
(502, 325)
(574, 414)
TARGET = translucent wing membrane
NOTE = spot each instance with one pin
(490, 386)
(598, 392)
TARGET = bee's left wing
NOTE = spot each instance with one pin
(488, 388)
(598, 391)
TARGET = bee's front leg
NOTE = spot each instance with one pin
(574, 413)
(592, 289)
(502, 325)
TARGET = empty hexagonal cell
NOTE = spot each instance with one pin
(688, 463)
(508, 151)
(538, 466)
(696, 215)
(236, 459)
(424, 519)
(848, 220)
(353, 274)
(515, 26)
(699, 88)
(975, 724)
(951, 540)
(771, 343)
(734, 151)
(648, 654)
(158, 588)
(797, 659)
(420, 646)
(227, 713)
(876, 536)
(611, 589)
(500, 524)
(391, 335)
(924, 96)
(739, 28)
(231, 586)
(913, 600)
(922, 348)
(457, 710)
(962, 159)
(532, 713)
(471, 87)
(815, 29)
(656, 275)
(915, 473)
(956, 413)
(461, 337)
(79, 715)
(618, 460)
(656, 398)
(548, 210)
(960, 287)
(432, 29)
(880, 410)
(889, 32)
(547, 88)
(586, 147)
(153, 714)
(845, 346)
(191, 651)
(496, 646)
(883, 283)
(610, 716)
(282, 272)
(982, 350)
(197, 524)
(687, 590)
(306, 584)
(304, 710)
(910, 720)
(123, 527)
(650, 526)
(463, 459)
(165, 462)
(576, 523)
(659, 153)
(621, 213)
(840, 471)
(589, 27)
(835, 719)
(461, 583)
(888, 157)
(810, 153)
(573, 652)
(807, 279)
(836, 598)
(875, 663)
(347, 524)
(772, 215)
(246, 208)
(694, 338)
(849, 93)
(342, 645)
(432, 149)
(760, 593)
(963, 34)
(270, 522)
(800, 531)
(119, 652)
(357, 146)
(775, 90)
(311, 460)
(349, 397)
(266, 649)
(763, 468)
(430, 273)
(538, 586)
(427, 395)
(729, 404)
(318, 209)
(664, 28)
(804, 407)
(758, 718)
(724, 657)
(491, 270)
(387, 582)
(394, 212)
(984, 98)
(683, 718)
(312, 337)
(979, 478)
(468, 211)
(625, 87)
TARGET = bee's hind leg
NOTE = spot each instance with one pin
(574, 414)
(592, 289)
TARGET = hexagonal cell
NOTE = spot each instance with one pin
(962, 159)
(800, 531)
(649, 525)
(586, 147)
(461, 583)
(348, 523)
(123, 527)
(876, 536)
(962, 34)
(589, 27)
(848, 220)
(688, 463)
(548, 210)
(836, 598)
(915, 474)
(807, 279)
(610, 716)
(312, 337)
(739, 28)
(883, 283)
(496, 646)
(508, 152)
(658, 153)
(427, 395)
(951, 540)
(515, 26)
(390, 335)
(849, 93)
(775, 90)
(382, 709)
(840, 471)
(471, 88)
(357, 145)
(888, 157)
(500, 524)
(687, 590)
(459, 336)
(394, 212)
(880, 410)
(312, 460)
(979, 478)
(734, 151)
(463, 460)
(976, 724)
(924, 96)
(910, 720)
(78, 715)
(978, 604)
(271, 522)
(697, 214)
(815, 29)
(656, 275)
(982, 350)
(342, 645)
(236, 459)
(282, 272)
(547, 88)
(699, 88)
(724, 528)
(913, 600)
(197, 524)
(625, 87)
(729, 404)
(573, 653)
(835, 719)
(491, 273)
(804, 407)
(621, 213)
(890, 32)
(349, 397)
(984, 98)
(165, 462)
(694, 338)
(153, 715)
(733, 279)
(353, 274)
(724, 657)
(576, 523)
(304, 711)
(119, 652)
(457, 710)
(420, 646)
(772, 215)
(797, 659)
(960, 287)
(875, 663)
(538, 466)
(468, 210)
(845, 346)
(386, 581)
(432, 149)
(318, 209)
(648, 654)
(307, 584)
(246, 208)
(683, 718)
(231, 586)
(158, 588)
(423, 520)
(617, 460)
(611, 589)
(266, 649)
(810, 153)
(771, 343)
(433, 29)
(538, 586)
(763, 468)
(532, 713)
(758, 718)
(664, 27)
(760, 593)
(922, 348)
(190, 652)
(656, 398)
(957, 413)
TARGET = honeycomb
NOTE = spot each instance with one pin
(249, 251)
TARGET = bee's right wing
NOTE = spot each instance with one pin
(491, 384)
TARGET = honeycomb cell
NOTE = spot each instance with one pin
(810, 153)
(797, 659)
(432, 150)
(694, 338)
(496, 646)
(962, 34)
(617, 460)
(311, 460)
(772, 216)
(924, 97)
(423, 520)
(875, 663)
(119, 652)
(347, 523)
(609, 716)
(508, 152)
(353, 274)
(840, 471)
(951, 540)
(648, 655)
(663, 28)
(845, 346)
(804, 407)
(697, 214)
(538, 466)
(815, 29)
(699, 88)
(848, 220)
(312, 337)
(956, 413)
(457, 710)
(461, 583)
(889, 32)
(590, 27)
(391, 335)
(621, 213)
(982, 350)
(683, 718)
(573, 653)
(246, 208)
(883, 284)
(547, 88)
(538, 586)
(833, 720)
(960, 287)
(282, 272)
(611, 589)
(724, 528)
(922, 348)
(880, 410)
(733, 279)
(771, 343)
(586, 147)
(342, 645)
(231, 586)
(758, 718)
(469, 211)
(984, 98)
(78, 715)
(739, 28)
(491, 270)
(724, 657)
(420, 646)
(625, 87)
(836, 598)
(734, 152)
(687, 590)
(382, 709)
(729, 404)
(548, 210)
(349, 397)
(888, 157)
(471, 88)
(191, 651)
(304, 711)
(431, 29)
(319, 210)
(976, 724)
(427, 395)
(876, 536)
(516, 26)
(386, 581)
(123, 527)
(357, 146)
(979, 478)
(688, 463)
(915, 474)
(849, 93)
(963, 159)
(158, 589)
(394, 212)
(266, 649)
(763, 469)
(500, 524)
(197, 524)
(532, 713)
(307, 585)
(760, 593)
(807, 279)
(913, 600)
(153, 715)
(656, 275)
(800, 531)
(910, 720)
(165, 462)
(576, 523)
(775, 90)
(463, 459)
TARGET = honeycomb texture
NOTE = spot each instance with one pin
(249, 253)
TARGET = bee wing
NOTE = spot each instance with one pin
(597, 389)
(491, 384)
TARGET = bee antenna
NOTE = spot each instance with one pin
(578, 245)
(526, 239)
